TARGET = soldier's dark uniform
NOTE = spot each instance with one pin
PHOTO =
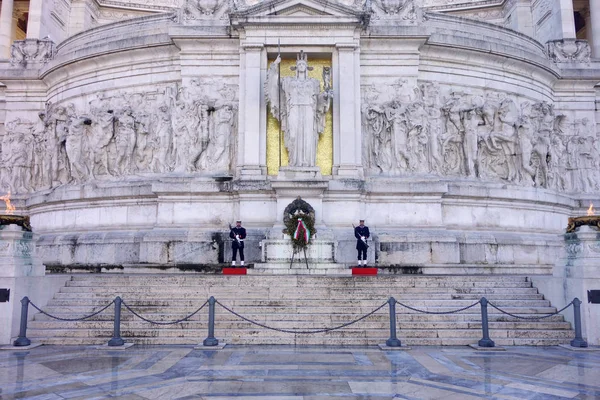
(361, 245)
(237, 244)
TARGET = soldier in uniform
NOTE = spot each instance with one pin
(237, 234)
(361, 232)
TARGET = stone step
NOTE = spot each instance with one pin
(79, 310)
(399, 283)
(107, 297)
(238, 324)
(342, 333)
(291, 280)
(468, 315)
(192, 304)
(258, 292)
(382, 315)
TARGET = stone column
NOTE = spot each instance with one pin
(347, 136)
(595, 28)
(251, 107)
(567, 19)
(6, 28)
(34, 21)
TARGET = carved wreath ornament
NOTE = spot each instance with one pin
(299, 220)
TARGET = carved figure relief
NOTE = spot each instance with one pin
(486, 135)
(113, 137)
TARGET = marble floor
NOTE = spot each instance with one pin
(298, 373)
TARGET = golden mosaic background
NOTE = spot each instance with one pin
(325, 144)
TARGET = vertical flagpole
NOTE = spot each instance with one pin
(279, 95)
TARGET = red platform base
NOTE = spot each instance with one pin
(234, 271)
(364, 271)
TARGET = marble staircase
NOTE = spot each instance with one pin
(303, 302)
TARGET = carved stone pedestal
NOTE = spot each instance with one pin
(19, 269)
(576, 274)
(277, 255)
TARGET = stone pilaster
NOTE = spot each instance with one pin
(6, 28)
(251, 142)
(347, 137)
(567, 19)
(595, 27)
(34, 19)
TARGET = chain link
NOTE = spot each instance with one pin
(70, 319)
(438, 312)
(165, 323)
(531, 318)
(294, 330)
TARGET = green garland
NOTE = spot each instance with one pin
(290, 228)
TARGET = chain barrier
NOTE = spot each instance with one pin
(439, 312)
(165, 323)
(531, 318)
(70, 319)
(307, 332)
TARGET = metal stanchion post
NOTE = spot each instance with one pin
(211, 340)
(116, 340)
(393, 340)
(485, 341)
(578, 341)
(22, 339)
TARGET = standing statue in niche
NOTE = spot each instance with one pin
(303, 108)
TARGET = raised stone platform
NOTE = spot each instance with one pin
(319, 258)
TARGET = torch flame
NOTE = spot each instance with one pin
(9, 207)
(590, 210)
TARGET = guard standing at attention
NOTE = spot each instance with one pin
(237, 234)
(361, 232)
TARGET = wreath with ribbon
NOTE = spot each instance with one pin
(299, 220)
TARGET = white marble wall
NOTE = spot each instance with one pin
(147, 120)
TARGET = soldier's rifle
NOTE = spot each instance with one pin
(364, 240)
(237, 239)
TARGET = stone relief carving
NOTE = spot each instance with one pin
(23, 249)
(410, 128)
(29, 51)
(569, 50)
(175, 129)
(303, 111)
(195, 10)
(574, 249)
(405, 11)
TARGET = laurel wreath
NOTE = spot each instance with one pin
(290, 228)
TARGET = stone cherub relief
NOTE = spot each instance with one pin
(416, 129)
(173, 130)
(303, 109)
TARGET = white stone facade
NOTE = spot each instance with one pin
(464, 140)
